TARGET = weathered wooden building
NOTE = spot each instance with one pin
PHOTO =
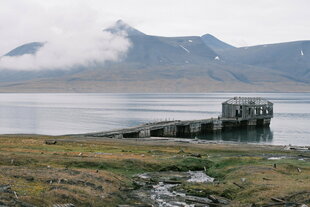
(254, 110)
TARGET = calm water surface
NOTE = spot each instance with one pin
(56, 114)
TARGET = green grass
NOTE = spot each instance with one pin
(125, 167)
(227, 163)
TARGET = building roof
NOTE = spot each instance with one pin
(248, 101)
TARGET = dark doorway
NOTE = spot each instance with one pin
(157, 133)
(183, 131)
(131, 135)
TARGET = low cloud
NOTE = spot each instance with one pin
(66, 50)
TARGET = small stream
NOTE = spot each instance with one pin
(163, 189)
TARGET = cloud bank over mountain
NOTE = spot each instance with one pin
(238, 22)
(70, 49)
(70, 30)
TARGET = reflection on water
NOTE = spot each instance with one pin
(56, 114)
(247, 134)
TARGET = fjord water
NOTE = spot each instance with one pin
(57, 114)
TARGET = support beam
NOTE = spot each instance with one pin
(170, 131)
(183, 131)
(263, 122)
(144, 133)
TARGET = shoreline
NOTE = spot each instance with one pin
(84, 137)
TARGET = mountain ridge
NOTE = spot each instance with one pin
(183, 64)
(214, 43)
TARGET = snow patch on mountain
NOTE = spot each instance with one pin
(184, 48)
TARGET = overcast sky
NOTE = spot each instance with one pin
(238, 22)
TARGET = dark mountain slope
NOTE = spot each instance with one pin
(291, 58)
(153, 50)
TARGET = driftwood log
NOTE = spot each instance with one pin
(236, 184)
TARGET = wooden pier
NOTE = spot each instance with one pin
(237, 112)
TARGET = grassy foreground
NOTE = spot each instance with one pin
(100, 172)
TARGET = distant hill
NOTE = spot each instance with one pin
(214, 43)
(291, 58)
(173, 64)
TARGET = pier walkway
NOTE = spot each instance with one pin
(236, 112)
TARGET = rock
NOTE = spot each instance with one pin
(49, 142)
(29, 178)
(103, 153)
(277, 200)
(64, 205)
(15, 194)
(195, 155)
(99, 188)
(200, 205)
(218, 199)
(5, 189)
(181, 151)
(199, 177)
(172, 182)
(136, 205)
(137, 185)
(198, 199)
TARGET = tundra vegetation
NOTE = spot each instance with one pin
(102, 172)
